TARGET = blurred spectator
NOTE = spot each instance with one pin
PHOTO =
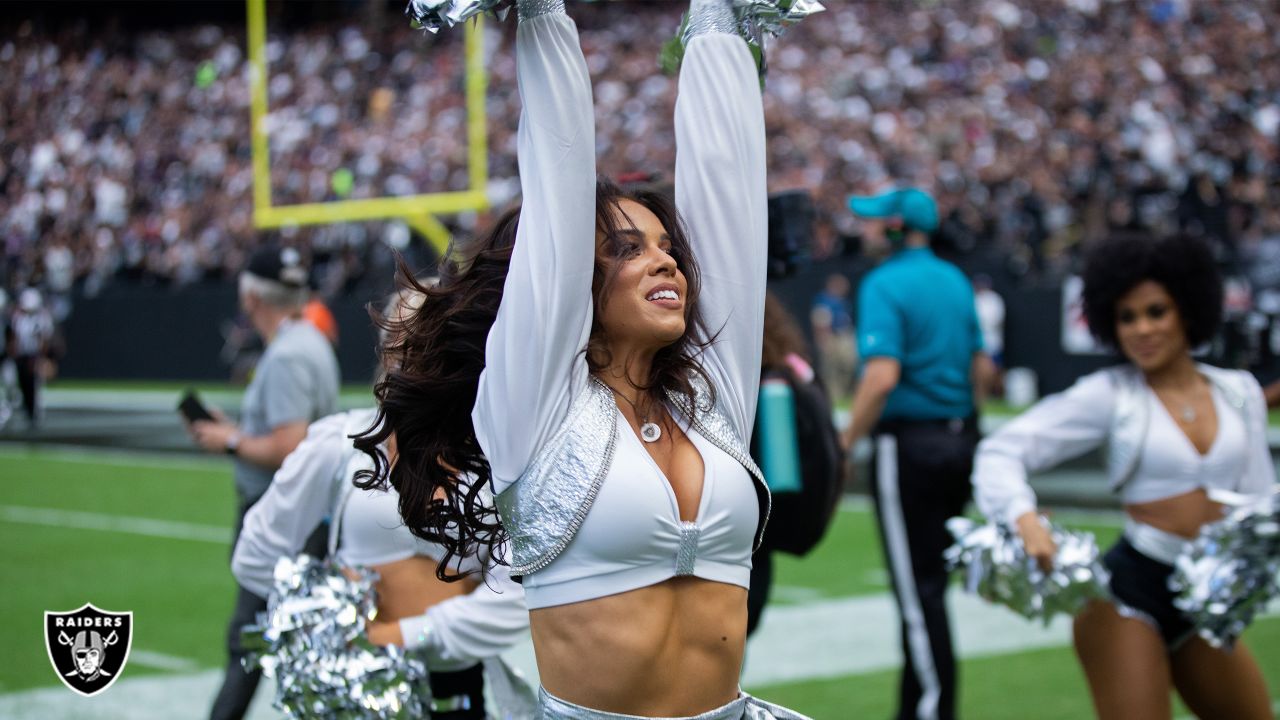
(31, 328)
(1039, 123)
(990, 308)
(990, 317)
(832, 323)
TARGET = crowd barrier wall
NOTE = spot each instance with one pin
(159, 333)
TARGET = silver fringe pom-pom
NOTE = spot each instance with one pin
(312, 642)
(997, 568)
(431, 15)
(755, 19)
(1231, 571)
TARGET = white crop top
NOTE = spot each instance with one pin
(1079, 419)
(1170, 464)
(633, 537)
(534, 360)
(371, 531)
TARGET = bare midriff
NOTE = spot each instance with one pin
(1182, 515)
(668, 650)
(407, 587)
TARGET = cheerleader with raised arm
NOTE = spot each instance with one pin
(454, 627)
(1179, 435)
(605, 383)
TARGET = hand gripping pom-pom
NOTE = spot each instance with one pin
(998, 569)
(311, 641)
(1231, 571)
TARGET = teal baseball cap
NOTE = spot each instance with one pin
(916, 207)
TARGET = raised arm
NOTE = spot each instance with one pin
(1057, 428)
(722, 197)
(533, 356)
(299, 497)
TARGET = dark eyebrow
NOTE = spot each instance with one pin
(626, 232)
(636, 234)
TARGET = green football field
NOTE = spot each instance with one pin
(150, 534)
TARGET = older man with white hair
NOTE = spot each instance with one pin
(294, 384)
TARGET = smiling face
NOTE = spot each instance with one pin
(646, 297)
(1149, 328)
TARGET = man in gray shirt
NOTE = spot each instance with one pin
(294, 384)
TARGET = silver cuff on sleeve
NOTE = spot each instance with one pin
(710, 16)
(529, 9)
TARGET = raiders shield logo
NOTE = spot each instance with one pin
(88, 647)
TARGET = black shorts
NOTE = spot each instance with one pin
(458, 695)
(1140, 590)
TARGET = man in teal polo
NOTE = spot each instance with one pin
(922, 360)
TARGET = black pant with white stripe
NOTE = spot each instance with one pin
(920, 479)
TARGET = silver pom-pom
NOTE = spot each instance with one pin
(1230, 572)
(312, 642)
(997, 568)
(773, 16)
(431, 15)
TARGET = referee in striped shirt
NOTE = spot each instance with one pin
(922, 365)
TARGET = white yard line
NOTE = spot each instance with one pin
(84, 455)
(150, 527)
(161, 661)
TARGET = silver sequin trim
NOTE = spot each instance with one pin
(687, 555)
(529, 9)
(544, 509)
(710, 16)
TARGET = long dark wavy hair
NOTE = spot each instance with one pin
(434, 356)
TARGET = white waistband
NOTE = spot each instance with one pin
(1153, 542)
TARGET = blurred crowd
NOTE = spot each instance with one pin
(1040, 124)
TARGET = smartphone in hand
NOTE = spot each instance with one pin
(192, 409)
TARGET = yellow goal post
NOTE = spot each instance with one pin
(418, 211)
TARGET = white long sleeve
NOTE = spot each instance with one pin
(300, 495)
(1260, 470)
(722, 196)
(463, 630)
(534, 362)
(1056, 429)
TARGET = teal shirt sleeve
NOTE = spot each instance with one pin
(879, 322)
(975, 327)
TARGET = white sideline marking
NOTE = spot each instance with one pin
(161, 661)
(822, 640)
(1074, 516)
(80, 454)
(115, 523)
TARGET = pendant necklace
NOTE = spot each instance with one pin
(649, 431)
(1188, 414)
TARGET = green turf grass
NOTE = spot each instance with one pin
(180, 591)
(1042, 684)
